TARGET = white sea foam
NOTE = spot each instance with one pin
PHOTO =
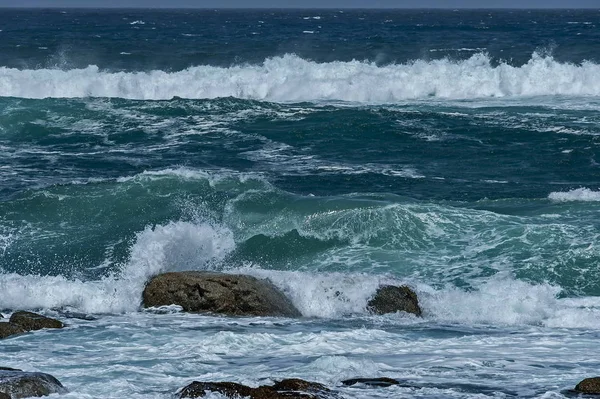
(580, 194)
(290, 78)
(171, 247)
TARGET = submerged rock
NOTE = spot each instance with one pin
(589, 386)
(391, 299)
(20, 384)
(288, 389)
(236, 295)
(32, 321)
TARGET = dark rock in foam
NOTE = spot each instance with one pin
(19, 384)
(289, 389)
(391, 299)
(235, 295)
(8, 329)
(32, 321)
(21, 322)
(589, 386)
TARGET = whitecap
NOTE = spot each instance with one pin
(290, 78)
(580, 194)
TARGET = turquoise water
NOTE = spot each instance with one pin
(329, 151)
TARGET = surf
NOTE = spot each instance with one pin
(289, 78)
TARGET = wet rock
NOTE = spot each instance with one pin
(20, 384)
(589, 386)
(372, 382)
(21, 322)
(392, 299)
(229, 389)
(285, 389)
(29, 321)
(235, 295)
(8, 329)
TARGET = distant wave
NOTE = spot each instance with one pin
(580, 194)
(290, 79)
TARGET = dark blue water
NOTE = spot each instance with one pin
(328, 150)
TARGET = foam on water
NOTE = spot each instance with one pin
(506, 301)
(171, 247)
(188, 246)
(580, 194)
(290, 78)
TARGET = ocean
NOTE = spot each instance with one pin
(331, 151)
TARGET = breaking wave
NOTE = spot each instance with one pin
(290, 78)
(580, 194)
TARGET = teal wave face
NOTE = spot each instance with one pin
(89, 231)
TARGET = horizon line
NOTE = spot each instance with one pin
(291, 8)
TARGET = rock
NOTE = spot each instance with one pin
(229, 389)
(32, 321)
(4, 396)
(235, 295)
(391, 299)
(20, 384)
(8, 329)
(21, 322)
(589, 386)
(286, 389)
(373, 382)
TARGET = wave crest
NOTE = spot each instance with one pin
(580, 194)
(290, 78)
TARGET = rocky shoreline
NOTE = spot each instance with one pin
(232, 295)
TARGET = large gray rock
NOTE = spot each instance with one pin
(29, 321)
(228, 294)
(392, 299)
(20, 384)
(21, 322)
(589, 386)
(286, 389)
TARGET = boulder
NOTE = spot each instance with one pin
(21, 322)
(235, 295)
(32, 321)
(392, 299)
(20, 384)
(589, 386)
(8, 329)
(286, 389)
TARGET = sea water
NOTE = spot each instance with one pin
(331, 151)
